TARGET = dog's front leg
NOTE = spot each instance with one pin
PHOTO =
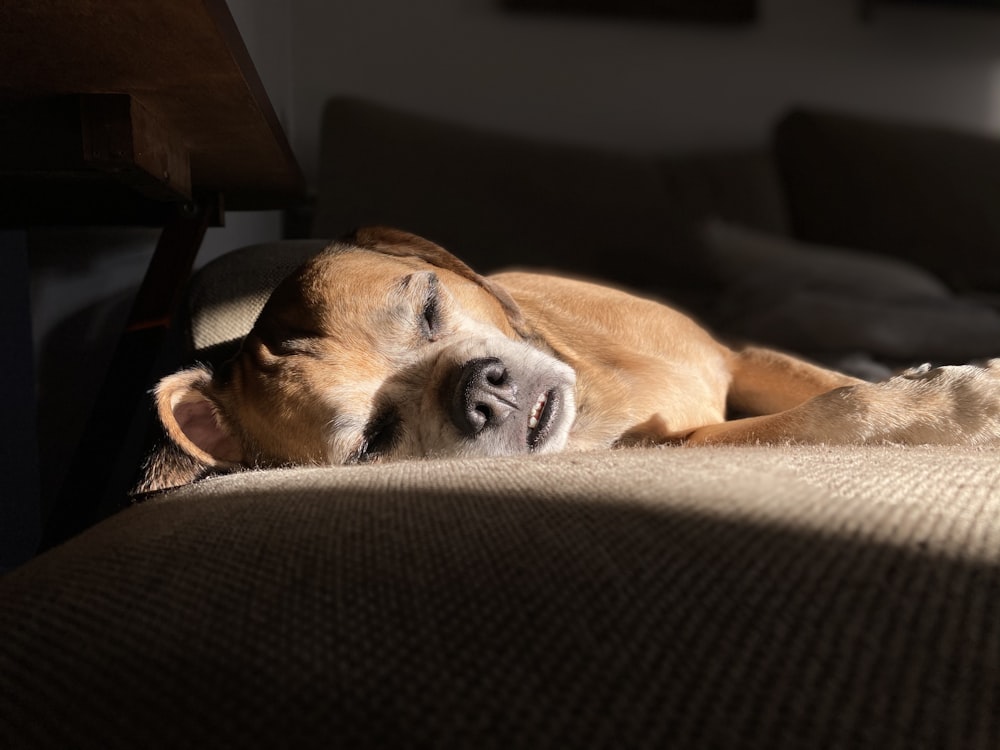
(957, 405)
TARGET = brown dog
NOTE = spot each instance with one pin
(387, 347)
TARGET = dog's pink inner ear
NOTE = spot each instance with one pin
(198, 422)
(192, 420)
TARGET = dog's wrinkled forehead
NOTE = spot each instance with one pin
(339, 288)
(395, 242)
(356, 285)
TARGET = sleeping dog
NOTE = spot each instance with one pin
(387, 347)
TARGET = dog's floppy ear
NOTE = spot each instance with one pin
(390, 241)
(189, 410)
(199, 441)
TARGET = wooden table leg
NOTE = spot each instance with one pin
(92, 476)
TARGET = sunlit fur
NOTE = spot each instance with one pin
(347, 339)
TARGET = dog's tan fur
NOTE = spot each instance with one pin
(372, 336)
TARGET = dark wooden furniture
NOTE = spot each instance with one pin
(132, 112)
(171, 101)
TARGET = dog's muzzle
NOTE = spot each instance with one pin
(484, 398)
(513, 412)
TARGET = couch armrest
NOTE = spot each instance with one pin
(224, 297)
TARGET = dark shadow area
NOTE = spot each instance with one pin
(20, 513)
(72, 364)
(719, 11)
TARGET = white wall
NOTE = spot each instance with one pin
(641, 85)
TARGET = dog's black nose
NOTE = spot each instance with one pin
(483, 397)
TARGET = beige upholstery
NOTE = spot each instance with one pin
(229, 292)
(681, 598)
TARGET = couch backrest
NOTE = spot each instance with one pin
(499, 200)
(926, 194)
(496, 200)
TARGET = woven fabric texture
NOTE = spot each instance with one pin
(225, 297)
(681, 598)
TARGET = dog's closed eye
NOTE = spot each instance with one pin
(380, 435)
(430, 314)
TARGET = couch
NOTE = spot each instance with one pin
(755, 597)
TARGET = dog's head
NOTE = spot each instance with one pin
(381, 348)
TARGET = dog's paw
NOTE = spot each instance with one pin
(954, 404)
(917, 372)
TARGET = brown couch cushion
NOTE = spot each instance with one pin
(926, 194)
(681, 598)
(740, 186)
